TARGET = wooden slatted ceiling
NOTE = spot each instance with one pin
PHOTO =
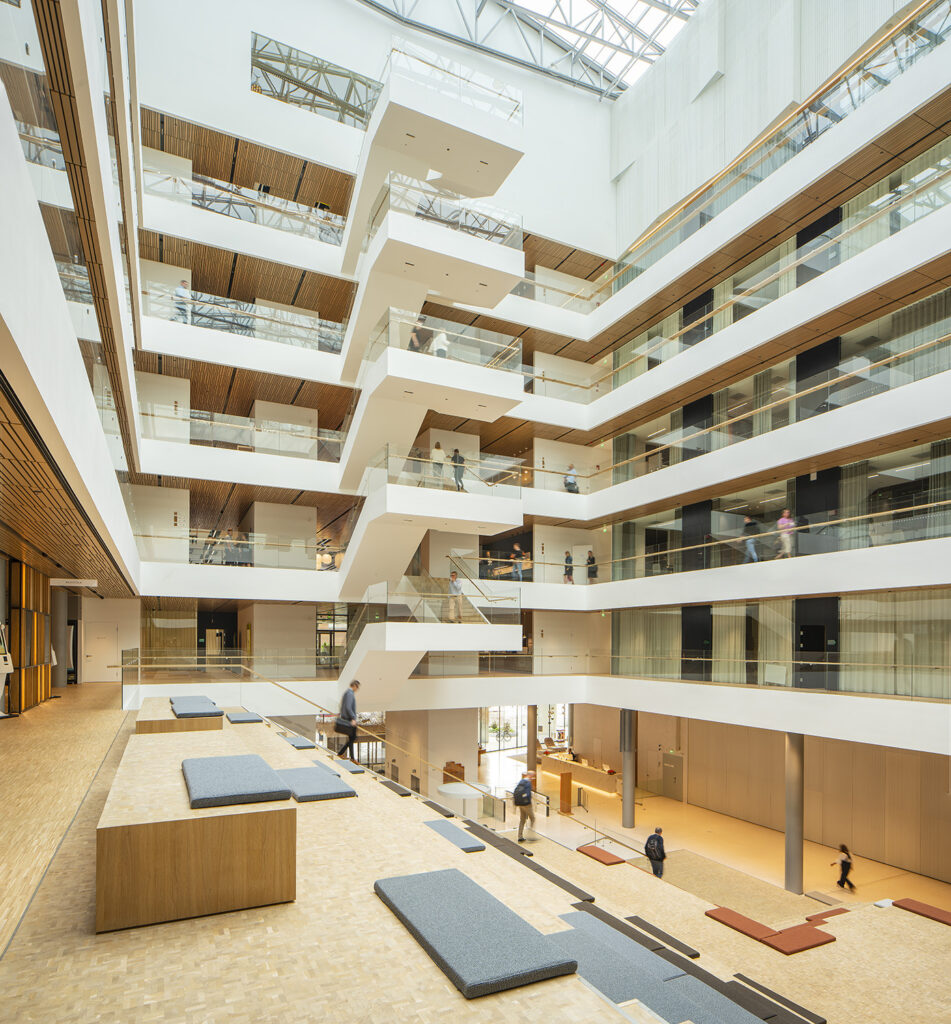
(544, 252)
(227, 158)
(225, 389)
(246, 278)
(28, 95)
(221, 505)
(63, 233)
(40, 523)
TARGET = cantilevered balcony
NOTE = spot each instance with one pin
(251, 335)
(440, 119)
(419, 363)
(424, 240)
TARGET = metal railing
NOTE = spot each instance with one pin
(402, 194)
(247, 204)
(248, 319)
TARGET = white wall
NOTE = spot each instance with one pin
(735, 68)
(283, 638)
(436, 737)
(161, 519)
(165, 405)
(115, 613)
(267, 415)
(565, 642)
(551, 542)
(596, 735)
(285, 535)
(213, 88)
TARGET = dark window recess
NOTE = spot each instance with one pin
(813, 249)
(697, 416)
(696, 312)
(695, 530)
(814, 367)
(816, 640)
(815, 512)
(696, 625)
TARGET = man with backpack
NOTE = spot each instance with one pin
(654, 850)
(522, 798)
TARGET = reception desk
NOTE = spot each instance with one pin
(581, 774)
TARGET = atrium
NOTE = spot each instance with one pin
(526, 419)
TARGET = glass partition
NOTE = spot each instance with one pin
(249, 319)
(450, 78)
(402, 194)
(440, 469)
(429, 335)
(244, 433)
(248, 205)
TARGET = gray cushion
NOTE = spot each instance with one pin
(349, 766)
(238, 779)
(327, 768)
(712, 1005)
(300, 742)
(479, 943)
(314, 784)
(196, 710)
(464, 840)
(240, 717)
(638, 959)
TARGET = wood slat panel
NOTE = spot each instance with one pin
(229, 158)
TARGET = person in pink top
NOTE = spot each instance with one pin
(785, 524)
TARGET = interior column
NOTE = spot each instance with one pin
(531, 737)
(628, 747)
(795, 746)
(59, 609)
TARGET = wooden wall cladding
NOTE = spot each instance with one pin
(228, 158)
(31, 681)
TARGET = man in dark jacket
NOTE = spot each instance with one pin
(458, 461)
(654, 848)
(346, 723)
(750, 533)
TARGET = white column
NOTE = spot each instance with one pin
(795, 746)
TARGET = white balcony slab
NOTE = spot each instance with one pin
(240, 583)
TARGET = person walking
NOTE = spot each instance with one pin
(455, 597)
(655, 852)
(458, 467)
(522, 798)
(517, 556)
(419, 337)
(592, 564)
(438, 459)
(346, 723)
(441, 345)
(750, 533)
(844, 860)
(571, 479)
(182, 296)
(786, 525)
(569, 568)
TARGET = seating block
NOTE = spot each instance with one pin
(745, 925)
(479, 943)
(822, 915)
(464, 840)
(314, 784)
(243, 717)
(300, 742)
(925, 910)
(797, 939)
(238, 779)
(601, 856)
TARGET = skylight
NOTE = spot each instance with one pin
(598, 45)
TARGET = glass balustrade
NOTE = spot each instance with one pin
(41, 146)
(876, 358)
(429, 335)
(917, 35)
(75, 280)
(490, 475)
(830, 673)
(248, 205)
(917, 190)
(242, 433)
(235, 548)
(248, 319)
(449, 78)
(402, 194)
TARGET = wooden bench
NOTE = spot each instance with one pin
(157, 859)
(925, 910)
(156, 715)
(744, 925)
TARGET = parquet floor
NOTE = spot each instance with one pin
(48, 757)
(337, 953)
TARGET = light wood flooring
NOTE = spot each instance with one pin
(337, 953)
(48, 757)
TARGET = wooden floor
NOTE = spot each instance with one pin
(337, 953)
(48, 757)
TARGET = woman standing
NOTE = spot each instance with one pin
(592, 567)
(844, 860)
(569, 568)
(438, 459)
